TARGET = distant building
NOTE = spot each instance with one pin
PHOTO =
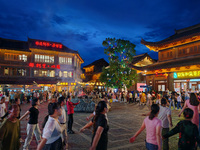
(48, 64)
(140, 61)
(178, 67)
(92, 73)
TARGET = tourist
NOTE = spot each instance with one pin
(9, 130)
(122, 96)
(52, 132)
(63, 119)
(49, 96)
(178, 101)
(130, 97)
(135, 97)
(153, 129)
(192, 103)
(32, 126)
(3, 109)
(171, 102)
(188, 132)
(149, 99)
(100, 136)
(165, 116)
(70, 112)
(143, 98)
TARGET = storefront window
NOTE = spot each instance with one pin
(6, 71)
(15, 57)
(69, 61)
(70, 74)
(65, 74)
(44, 58)
(60, 73)
(52, 73)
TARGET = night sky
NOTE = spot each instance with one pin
(83, 24)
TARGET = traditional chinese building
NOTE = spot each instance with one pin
(138, 62)
(92, 73)
(178, 67)
(48, 64)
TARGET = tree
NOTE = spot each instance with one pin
(118, 74)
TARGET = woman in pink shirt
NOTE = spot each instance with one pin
(193, 104)
(153, 130)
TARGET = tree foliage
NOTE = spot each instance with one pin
(120, 53)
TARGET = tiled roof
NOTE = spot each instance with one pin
(99, 62)
(138, 58)
(185, 32)
(14, 45)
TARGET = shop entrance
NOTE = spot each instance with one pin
(161, 85)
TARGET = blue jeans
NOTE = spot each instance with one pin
(179, 105)
(150, 146)
(171, 103)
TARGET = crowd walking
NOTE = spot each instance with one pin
(57, 125)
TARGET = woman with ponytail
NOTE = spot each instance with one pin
(153, 130)
(100, 136)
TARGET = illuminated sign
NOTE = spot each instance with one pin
(65, 83)
(47, 44)
(44, 66)
(189, 74)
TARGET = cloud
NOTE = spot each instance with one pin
(83, 24)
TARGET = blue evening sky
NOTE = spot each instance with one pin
(83, 24)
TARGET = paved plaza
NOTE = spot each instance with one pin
(124, 121)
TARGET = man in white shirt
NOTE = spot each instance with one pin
(63, 119)
(165, 116)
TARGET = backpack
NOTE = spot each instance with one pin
(45, 121)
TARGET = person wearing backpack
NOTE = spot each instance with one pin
(188, 132)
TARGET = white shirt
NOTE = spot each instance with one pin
(2, 109)
(179, 98)
(52, 130)
(62, 118)
(149, 96)
(163, 113)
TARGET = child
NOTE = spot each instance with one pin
(188, 132)
(153, 129)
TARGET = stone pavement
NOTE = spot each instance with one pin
(124, 121)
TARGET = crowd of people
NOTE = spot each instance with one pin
(56, 127)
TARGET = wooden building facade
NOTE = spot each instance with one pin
(178, 67)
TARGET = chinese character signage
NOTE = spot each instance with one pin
(48, 44)
(43, 66)
(188, 74)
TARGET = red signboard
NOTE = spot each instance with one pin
(48, 44)
(43, 66)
